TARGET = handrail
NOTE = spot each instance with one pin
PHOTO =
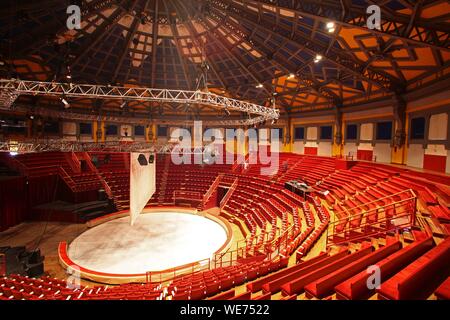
(94, 169)
(361, 206)
(183, 270)
(188, 195)
(229, 193)
(73, 161)
(344, 230)
(212, 188)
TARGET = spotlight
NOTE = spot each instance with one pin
(66, 104)
(31, 117)
(291, 76)
(259, 85)
(317, 58)
(331, 27)
(273, 121)
(13, 153)
(123, 105)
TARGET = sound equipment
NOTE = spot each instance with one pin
(300, 188)
(102, 195)
(17, 260)
(142, 160)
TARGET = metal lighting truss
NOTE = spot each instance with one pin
(43, 145)
(18, 87)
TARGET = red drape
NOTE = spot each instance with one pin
(13, 204)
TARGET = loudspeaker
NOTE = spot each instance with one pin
(35, 270)
(102, 195)
(151, 159)
(142, 160)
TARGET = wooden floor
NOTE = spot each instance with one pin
(45, 236)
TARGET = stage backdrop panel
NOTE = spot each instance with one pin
(142, 181)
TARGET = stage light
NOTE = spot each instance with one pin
(259, 85)
(66, 104)
(13, 153)
(317, 58)
(227, 112)
(331, 27)
(123, 105)
(31, 117)
(291, 76)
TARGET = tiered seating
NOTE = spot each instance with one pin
(409, 283)
(210, 283)
(356, 286)
(443, 292)
(116, 172)
(325, 285)
(46, 163)
(297, 284)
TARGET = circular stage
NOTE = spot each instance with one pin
(159, 240)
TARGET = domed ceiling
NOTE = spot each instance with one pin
(309, 55)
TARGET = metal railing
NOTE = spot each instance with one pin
(212, 188)
(361, 222)
(183, 270)
(230, 192)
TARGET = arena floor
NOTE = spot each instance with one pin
(157, 241)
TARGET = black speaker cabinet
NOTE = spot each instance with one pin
(102, 195)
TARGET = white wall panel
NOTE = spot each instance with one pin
(447, 166)
(436, 150)
(438, 127)
(365, 146)
(350, 148)
(415, 156)
(324, 149)
(311, 133)
(383, 152)
(311, 144)
(366, 132)
(299, 147)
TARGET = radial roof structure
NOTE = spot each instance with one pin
(309, 55)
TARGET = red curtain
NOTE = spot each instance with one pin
(364, 155)
(311, 151)
(435, 163)
(13, 204)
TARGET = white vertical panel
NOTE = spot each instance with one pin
(447, 165)
(366, 132)
(365, 146)
(324, 149)
(311, 133)
(436, 150)
(142, 182)
(311, 144)
(299, 147)
(415, 156)
(438, 127)
(383, 152)
(350, 148)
